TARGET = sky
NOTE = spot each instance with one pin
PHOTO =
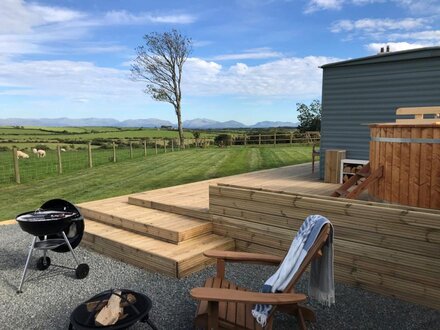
(252, 60)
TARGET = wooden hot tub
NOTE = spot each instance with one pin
(409, 152)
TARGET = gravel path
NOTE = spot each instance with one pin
(50, 296)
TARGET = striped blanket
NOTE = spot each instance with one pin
(321, 284)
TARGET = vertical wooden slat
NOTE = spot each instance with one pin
(414, 168)
(60, 164)
(395, 167)
(388, 164)
(16, 167)
(435, 173)
(145, 148)
(131, 150)
(155, 145)
(405, 153)
(382, 159)
(425, 169)
(114, 152)
(90, 155)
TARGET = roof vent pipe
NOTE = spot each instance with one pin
(388, 48)
(381, 50)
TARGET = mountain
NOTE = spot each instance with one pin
(150, 123)
(198, 123)
(265, 124)
(203, 123)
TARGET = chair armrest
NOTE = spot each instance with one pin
(234, 256)
(214, 294)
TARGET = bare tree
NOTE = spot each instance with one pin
(159, 63)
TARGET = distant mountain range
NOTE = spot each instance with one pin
(199, 123)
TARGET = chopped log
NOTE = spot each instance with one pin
(110, 313)
(97, 305)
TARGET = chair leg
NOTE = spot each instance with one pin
(302, 323)
(212, 315)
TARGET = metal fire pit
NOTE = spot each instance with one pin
(59, 226)
(82, 319)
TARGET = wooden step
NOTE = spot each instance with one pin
(166, 226)
(195, 212)
(152, 254)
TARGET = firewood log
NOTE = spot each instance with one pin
(110, 313)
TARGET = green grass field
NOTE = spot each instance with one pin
(82, 134)
(138, 175)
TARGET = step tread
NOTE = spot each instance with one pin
(178, 253)
(144, 215)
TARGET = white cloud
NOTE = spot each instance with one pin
(124, 17)
(430, 35)
(378, 24)
(316, 5)
(20, 17)
(68, 79)
(395, 46)
(428, 7)
(291, 77)
(255, 53)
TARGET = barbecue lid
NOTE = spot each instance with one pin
(44, 215)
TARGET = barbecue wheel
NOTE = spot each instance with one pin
(82, 271)
(43, 263)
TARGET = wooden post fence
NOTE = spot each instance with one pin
(172, 145)
(291, 137)
(90, 155)
(145, 148)
(164, 142)
(114, 152)
(60, 164)
(259, 139)
(245, 138)
(230, 141)
(155, 145)
(16, 168)
(131, 150)
(274, 139)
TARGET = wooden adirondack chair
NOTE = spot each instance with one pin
(224, 305)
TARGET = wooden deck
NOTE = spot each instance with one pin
(167, 230)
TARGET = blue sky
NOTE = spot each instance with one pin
(252, 60)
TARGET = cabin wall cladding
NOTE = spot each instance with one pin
(389, 249)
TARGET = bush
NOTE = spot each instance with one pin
(4, 148)
(41, 147)
(223, 140)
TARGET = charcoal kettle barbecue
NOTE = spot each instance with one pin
(58, 226)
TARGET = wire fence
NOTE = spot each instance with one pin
(21, 166)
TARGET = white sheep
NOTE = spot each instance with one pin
(21, 154)
(35, 151)
(41, 153)
(63, 150)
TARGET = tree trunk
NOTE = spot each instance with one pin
(180, 128)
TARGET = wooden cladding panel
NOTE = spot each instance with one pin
(411, 168)
(387, 249)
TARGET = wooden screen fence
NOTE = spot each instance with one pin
(389, 249)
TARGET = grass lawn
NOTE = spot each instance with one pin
(138, 175)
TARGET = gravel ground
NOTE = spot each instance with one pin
(49, 297)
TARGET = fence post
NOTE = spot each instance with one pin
(131, 150)
(60, 164)
(230, 141)
(114, 152)
(245, 138)
(259, 139)
(145, 148)
(16, 168)
(155, 145)
(291, 137)
(90, 155)
(172, 145)
(274, 139)
(164, 142)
